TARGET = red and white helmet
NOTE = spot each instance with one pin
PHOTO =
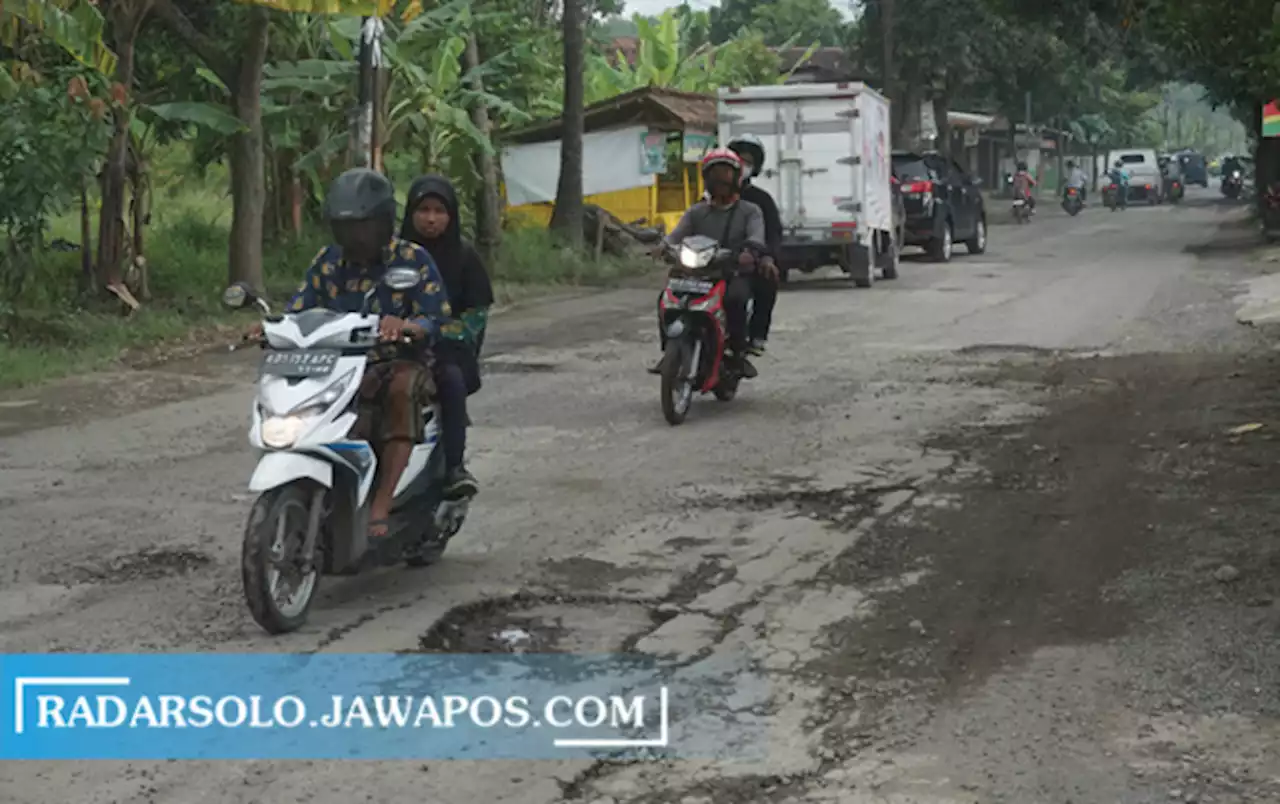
(723, 156)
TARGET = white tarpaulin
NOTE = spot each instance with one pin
(611, 161)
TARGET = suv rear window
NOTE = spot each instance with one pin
(911, 168)
(1133, 159)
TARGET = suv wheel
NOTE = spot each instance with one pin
(941, 247)
(978, 243)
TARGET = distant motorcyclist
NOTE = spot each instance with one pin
(1120, 177)
(1170, 172)
(1023, 183)
(1076, 179)
(737, 225)
(765, 281)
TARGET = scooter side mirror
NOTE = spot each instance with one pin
(238, 296)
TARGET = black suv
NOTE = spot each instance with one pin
(943, 204)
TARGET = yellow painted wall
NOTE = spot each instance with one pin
(627, 205)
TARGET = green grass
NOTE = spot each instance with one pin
(50, 331)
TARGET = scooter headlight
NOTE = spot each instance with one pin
(695, 259)
(281, 432)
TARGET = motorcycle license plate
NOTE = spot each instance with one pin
(300, 363)
(699, 286)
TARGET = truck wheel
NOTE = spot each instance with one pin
(861, 264)
(889, 257)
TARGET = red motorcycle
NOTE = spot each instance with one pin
(1071, 202)
(693, 317)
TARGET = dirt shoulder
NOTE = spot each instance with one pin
(207, 361)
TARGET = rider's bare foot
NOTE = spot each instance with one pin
(379, 523)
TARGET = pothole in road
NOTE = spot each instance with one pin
(843, 507)
(1010, 349)
(565, 623)
(535, 625)
(150, 564)
(518, 367)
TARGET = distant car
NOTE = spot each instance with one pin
(1141, 164)
(942, 203)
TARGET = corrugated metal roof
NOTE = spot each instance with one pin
(655, 106)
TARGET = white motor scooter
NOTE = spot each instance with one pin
(315, 482)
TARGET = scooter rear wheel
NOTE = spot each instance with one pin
(272, 547)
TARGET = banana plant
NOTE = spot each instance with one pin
(76, 26)
(426, 100)
(666, 57)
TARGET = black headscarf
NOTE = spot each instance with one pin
(465, 279)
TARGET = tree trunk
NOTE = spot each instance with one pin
(886, 48)
(907, 123)
(1093, 159)
(567, 218)
(295, 204)
(248, 190)
(86, 237)
(488, 201)
(126, 21)
(1060, 140)
(1266, 161)
(942, 105)
(140, 207)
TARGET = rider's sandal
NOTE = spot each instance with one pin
(379, 524)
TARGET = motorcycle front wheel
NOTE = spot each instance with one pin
(677, 388)
(278, 588)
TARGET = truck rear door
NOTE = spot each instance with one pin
(809, 166)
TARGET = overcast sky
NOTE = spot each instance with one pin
(654, 7)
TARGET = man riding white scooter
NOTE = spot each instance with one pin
(361, 209)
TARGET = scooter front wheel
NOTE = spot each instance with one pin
(279, 586)
(677, 388)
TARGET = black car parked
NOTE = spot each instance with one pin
(943, 204)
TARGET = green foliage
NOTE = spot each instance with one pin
(666, 57)
(76, 26)
(778, 21)
(804, 20)
(49, 143)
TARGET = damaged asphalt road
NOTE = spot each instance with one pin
(989, 529)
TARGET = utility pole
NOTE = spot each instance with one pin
(1030, 139)
(366, 150)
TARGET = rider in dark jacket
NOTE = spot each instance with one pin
(765, 281)
(736, 224)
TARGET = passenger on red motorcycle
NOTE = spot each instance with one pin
(765, 281)
(738, 226)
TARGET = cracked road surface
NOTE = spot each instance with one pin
(985, 527)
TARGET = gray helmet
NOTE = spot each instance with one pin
(752, 145)
(360, 194)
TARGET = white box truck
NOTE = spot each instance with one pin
(827, 165)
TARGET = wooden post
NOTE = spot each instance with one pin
(600, 218)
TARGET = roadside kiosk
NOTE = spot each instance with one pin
(640, 158)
